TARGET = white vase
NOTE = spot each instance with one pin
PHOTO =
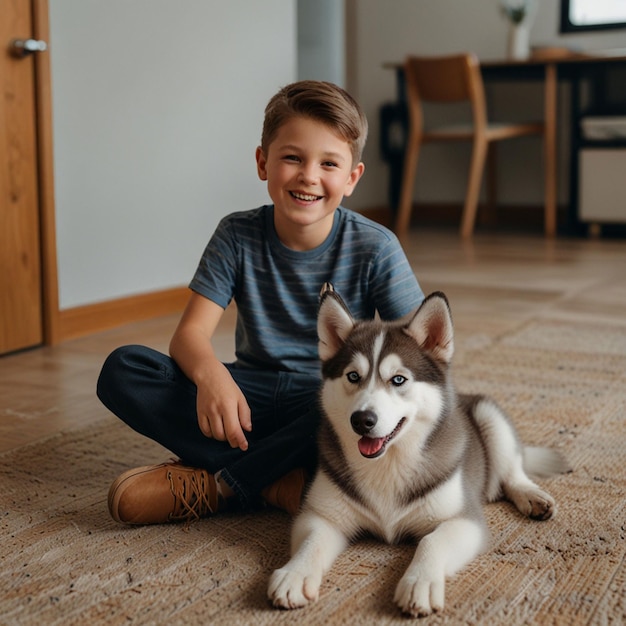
(518, 47)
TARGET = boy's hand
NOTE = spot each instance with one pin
(223, 411)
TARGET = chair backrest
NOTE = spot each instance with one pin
(445, 79)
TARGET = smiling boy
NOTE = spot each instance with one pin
(245, 431)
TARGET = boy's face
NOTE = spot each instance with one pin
(308, 169)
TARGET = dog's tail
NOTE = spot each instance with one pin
(544, 462)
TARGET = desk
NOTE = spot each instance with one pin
(549, 69)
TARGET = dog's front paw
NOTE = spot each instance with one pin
(290, 589)
(420, 596)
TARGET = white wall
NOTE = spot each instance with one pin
(388, 31)
(157, 111)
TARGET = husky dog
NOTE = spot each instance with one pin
(401, 455)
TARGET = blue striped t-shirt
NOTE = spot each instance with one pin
(276, 289)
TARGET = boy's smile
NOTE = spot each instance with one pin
(308, 170)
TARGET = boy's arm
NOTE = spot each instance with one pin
(223, 411)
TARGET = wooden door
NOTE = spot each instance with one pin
(21, 307)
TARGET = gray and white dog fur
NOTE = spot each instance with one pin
(402, 455)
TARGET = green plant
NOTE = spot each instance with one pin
(515, 10)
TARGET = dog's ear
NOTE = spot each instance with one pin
(334, 322)
(432, 328)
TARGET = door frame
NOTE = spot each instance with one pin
(45, 177)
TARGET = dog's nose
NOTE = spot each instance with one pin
(363, 421)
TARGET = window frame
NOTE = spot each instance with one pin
(567, 26)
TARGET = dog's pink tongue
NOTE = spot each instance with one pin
(368, 446)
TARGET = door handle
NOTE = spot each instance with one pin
(21, 48)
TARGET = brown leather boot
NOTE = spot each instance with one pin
(286, 493)
(169, 492)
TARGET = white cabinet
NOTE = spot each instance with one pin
(602, 192)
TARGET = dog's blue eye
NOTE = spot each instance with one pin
(398, 380)
(353, 377)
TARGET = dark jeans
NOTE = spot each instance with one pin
(148, 391)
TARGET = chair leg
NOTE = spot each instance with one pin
(479, 154)
(406, 194)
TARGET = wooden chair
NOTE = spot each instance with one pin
(450, 79)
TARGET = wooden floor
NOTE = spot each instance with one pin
(494, 282)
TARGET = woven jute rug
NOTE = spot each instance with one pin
(64, 561)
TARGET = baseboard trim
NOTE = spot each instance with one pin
(92, 318)
(448, 215)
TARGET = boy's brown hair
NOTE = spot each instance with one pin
(321, 101)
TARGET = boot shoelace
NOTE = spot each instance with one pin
(195, 494)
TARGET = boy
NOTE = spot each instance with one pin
(245, 431)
